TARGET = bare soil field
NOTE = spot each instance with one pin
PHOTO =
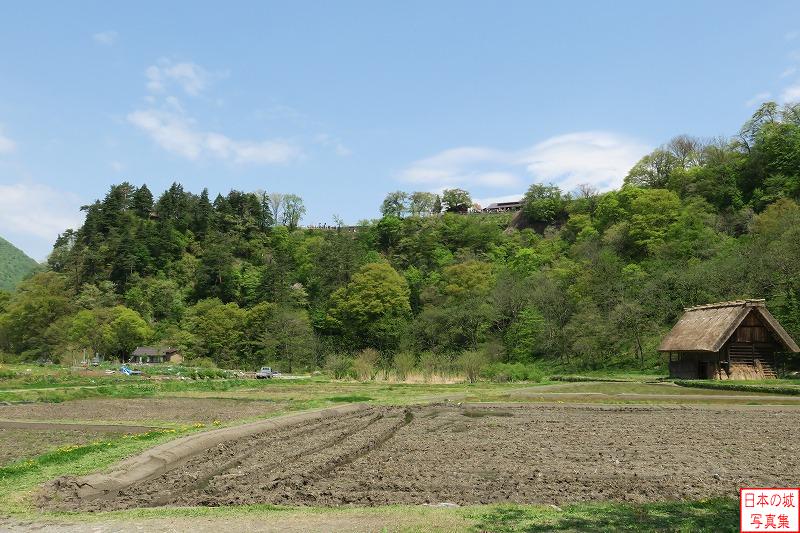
(479, 454)
(149, 410)
(17, 444)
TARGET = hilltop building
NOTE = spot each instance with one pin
(500, 207)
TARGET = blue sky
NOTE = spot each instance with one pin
(341, 102)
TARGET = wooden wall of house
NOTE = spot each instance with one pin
(752, 341)
(687, 365)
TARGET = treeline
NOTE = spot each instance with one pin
(696, 221)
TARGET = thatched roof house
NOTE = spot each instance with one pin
(726, 340)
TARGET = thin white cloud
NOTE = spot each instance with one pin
(34, 214)
(106, 38)
(178, 134)
(791, 93)
(788, 72)
(759, 98)
(191, 77)
(333, 143)
(465, 166)
(792, 35)
(168, 124)
(601, 159)
(7, 144)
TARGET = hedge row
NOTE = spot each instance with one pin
(792, 390)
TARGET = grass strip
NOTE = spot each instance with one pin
(791, 390)
(715, 514)
(19, 480)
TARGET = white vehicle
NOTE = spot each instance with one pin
(265, 373)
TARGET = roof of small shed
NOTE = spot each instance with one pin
(706, 328)
(153, 350)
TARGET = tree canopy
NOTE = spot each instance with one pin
(579, 277)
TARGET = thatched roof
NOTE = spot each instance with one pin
(706, 328)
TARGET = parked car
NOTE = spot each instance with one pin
(128, 371)
(265, 373)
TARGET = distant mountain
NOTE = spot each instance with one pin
(14, 265)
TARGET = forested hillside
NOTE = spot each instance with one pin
(236, 280)
(14, 265)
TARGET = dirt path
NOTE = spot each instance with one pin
(476, 454)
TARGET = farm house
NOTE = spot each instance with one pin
(155, 354)
(726, 340)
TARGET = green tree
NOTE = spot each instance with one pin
(293, 211)
(289, 339)
(422, 204)
(456, 200)
(526, 338)
(543, 203)
(218, 331)
(125, 331)
(86, 330)
(651, 213)
(39, 302)
(375, 296)
(395, 204)
(142, 202)
(653, 170)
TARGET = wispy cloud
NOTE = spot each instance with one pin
(329, 141)
(792, 35)
(598, 158)
(179, 134)
(788, 72)
(106, 38)
(7, 145)
(166, 121)
(791, 93)
(192, 78)
(34, 214)
(601, 159)
(758, 99)
(465, 166)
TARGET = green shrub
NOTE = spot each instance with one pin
(428, 363)
(792, 390)
(339, 366)
(403, 364)
(574, 378)
(203, 362)
(504, 372)
(471, 363)
(350, 399)
(366, 364)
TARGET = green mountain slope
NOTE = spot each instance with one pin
(14, 265)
